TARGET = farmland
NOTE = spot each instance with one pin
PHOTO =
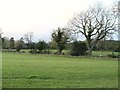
(56, 71)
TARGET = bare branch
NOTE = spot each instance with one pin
(94, 24)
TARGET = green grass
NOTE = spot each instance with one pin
(103, 53)
(50, 71)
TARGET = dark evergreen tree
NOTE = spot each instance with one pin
(61, 39)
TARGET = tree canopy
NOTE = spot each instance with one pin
(95, 23)
(61, 38)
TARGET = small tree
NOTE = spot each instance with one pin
(52, 45)
(11, 43)
(5, 43)
(19, 44)
(32, 45)
(28, 38)
(61, 38)
(41, 45)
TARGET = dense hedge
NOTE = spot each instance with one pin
(78, 48)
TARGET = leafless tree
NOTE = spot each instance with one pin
(94, 24)
(119, 20)
(1, 38)
(1, 32)
(28, 37)
(116, 8)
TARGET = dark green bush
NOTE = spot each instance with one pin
(78, 48)
(33, 51)
(42, 45)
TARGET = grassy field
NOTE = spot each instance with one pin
(50, 71)
(103, 53)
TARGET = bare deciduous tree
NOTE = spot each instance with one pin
(28, 37)
(94, 24)
(119, 20)
(1, 33)
(116, 9)
(0, 38)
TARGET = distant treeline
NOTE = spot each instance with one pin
(108, 45)
(76, 46)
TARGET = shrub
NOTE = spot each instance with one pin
(46, 52)
(42, 45)
(33, 51)
(78, 48)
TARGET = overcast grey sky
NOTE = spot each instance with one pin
(18, 17)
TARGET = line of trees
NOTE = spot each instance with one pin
(95, 24)
(58, 42)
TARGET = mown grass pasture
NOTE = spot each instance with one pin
(54, 71)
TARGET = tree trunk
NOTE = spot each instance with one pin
(89, 52)
(89, 47)
(60, 51)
